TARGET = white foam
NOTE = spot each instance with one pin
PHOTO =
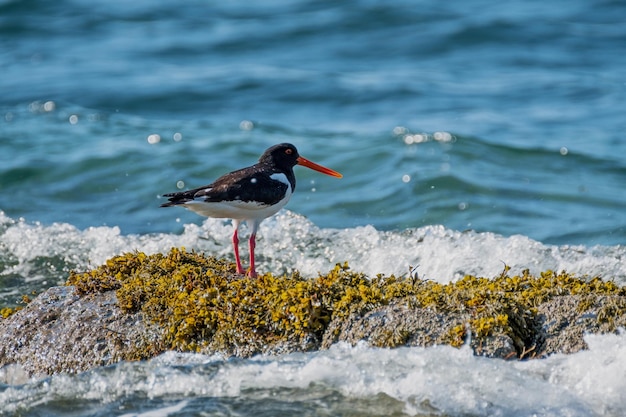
(161, 411)
(438, 380)
(289, 242)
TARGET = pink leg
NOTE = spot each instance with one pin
(252, 243)
(236, 248)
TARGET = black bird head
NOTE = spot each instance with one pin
(285, 156)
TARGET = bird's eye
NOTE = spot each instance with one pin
(288, 151)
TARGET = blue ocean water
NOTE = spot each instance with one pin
(528, 99)
(469, 134)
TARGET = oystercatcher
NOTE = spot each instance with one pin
(249, 194)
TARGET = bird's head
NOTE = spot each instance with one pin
(286, 156)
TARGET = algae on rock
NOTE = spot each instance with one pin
(203, 305)
(136, 306)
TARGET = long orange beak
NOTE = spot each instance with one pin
(305, 162)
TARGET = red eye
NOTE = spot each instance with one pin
(288, 151)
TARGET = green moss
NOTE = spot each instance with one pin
(201, 302)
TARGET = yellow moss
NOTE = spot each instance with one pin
(456, 335)
(610, 310)
(486, 326)
(201, 301)
(586, 303)
(8, 311)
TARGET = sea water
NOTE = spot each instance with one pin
(471, 136)
(344, 380)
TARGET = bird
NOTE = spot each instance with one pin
(249, 195)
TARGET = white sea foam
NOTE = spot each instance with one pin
(289, 242)
(438, 380)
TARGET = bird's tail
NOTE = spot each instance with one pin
(176, 199)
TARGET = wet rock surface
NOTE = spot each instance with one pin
(564, 321)
(136, 306)
(60, 331)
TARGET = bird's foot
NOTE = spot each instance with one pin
(240, 269)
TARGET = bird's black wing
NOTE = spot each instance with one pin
(246, 184)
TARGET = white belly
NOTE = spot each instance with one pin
(237, 209)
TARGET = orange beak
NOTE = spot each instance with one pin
(305, 162)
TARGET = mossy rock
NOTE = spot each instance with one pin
(136, 306)
(204, 306)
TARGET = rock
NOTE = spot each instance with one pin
(62, 332)
(137, 306)
(566, 319)
(398, 325)
(393, 325)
